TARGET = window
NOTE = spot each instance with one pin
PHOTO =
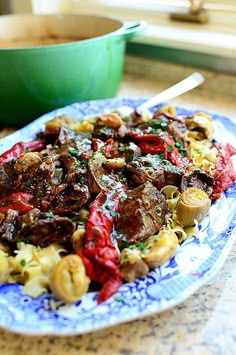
(217, 37)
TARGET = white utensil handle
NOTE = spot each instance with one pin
(183, 86)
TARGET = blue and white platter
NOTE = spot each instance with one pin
(197, 259)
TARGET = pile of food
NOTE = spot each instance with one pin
(90, 205)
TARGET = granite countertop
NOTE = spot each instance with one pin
(205, 322)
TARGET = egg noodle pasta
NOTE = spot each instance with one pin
(33, 267)
(172, 196)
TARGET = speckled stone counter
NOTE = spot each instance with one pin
(203, 324)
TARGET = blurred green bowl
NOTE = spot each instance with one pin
(37, 79)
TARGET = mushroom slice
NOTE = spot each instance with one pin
(160, 248)
(131, 265)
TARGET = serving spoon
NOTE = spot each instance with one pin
(187, 84)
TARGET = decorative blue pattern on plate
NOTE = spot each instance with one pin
(196, 261)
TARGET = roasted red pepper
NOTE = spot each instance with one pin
(107, 149)
(225, 174)
(17, 201)
(19, 148)
(160, 144)
(99, 254)
(99, 145)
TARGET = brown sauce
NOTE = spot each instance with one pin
(37, 42)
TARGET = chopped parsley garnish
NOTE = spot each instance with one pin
(179, 146)
(80, 221)
(49, 214)
(6, 203)
(123, 198)
(74, 152)
(124, 257)
(158, 208)
(28, 184)
(83, 162)
(82, 179)
(113, 213)
(105, 179)
(125, 244)
(124, 149)
(169, 148)
(131, 156)
(23, 262)
(142, 187)
(28, 239)
(121, 235)
(125, 118)
(163, 125)
(161, 157)
(139, 245)
(119, 299)
(24, 162)
(172, 168)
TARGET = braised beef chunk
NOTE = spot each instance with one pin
(65, 199)
(67, 188)
(140, 214)
(39, 179)
(76, 143)
(104, 132)
(80, 141)
(42, 229)
(101, 178)
(152, 168)
(176, 130)
(66, 136)
(8, 225)
(135, 119)
(57, 180)
(8, 177)
(36, 227)
(129, 151)
(198, 179)
(73, 167)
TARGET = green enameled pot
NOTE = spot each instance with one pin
(35, 80)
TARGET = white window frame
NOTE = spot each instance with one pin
(218, 37)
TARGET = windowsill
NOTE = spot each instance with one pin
(214, 44)
(204, 40)
(211, 45)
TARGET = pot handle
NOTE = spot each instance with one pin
(132, 29)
